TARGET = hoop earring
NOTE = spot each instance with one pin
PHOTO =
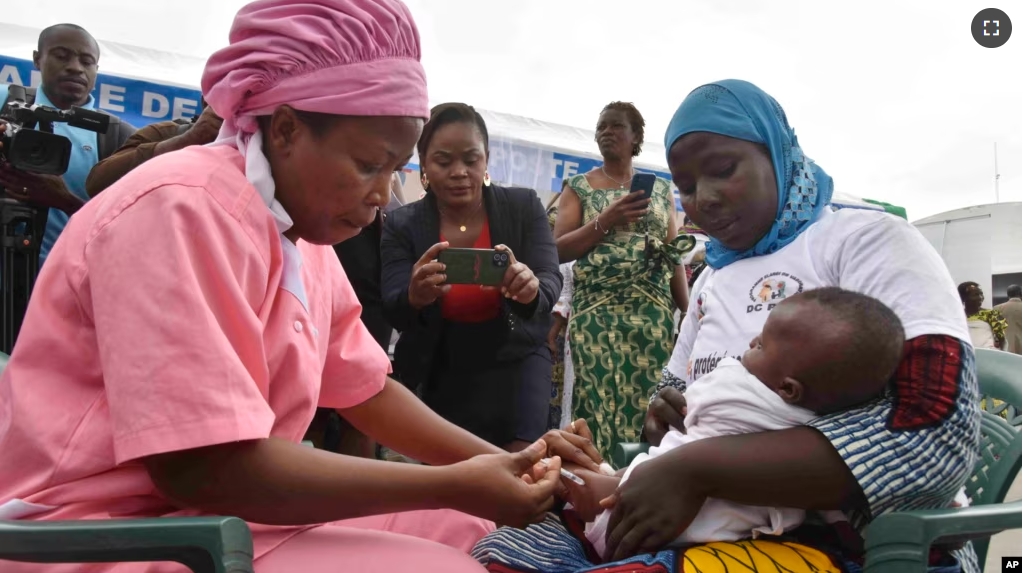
(425, 182)
(486, 179)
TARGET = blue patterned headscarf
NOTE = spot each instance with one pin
(741, 110)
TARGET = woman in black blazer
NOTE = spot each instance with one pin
(478, 357)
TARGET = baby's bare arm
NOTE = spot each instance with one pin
(586, 499)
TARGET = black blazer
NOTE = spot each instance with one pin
(360, 258)
(516, 219)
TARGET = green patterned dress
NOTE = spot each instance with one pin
(621, 323)
(558, 373)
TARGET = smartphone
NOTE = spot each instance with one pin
(643, 182)
(474, 266)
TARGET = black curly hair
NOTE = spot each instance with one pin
(871, 353)
(964, 289)
(446, 113)
(45, 35)
(636, 121)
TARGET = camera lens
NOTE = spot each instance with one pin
(37, 154)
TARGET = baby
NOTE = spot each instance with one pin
(820, 351)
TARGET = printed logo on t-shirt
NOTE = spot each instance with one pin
(766, 293)
(701, 309)
(700, 366)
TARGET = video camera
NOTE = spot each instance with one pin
(29, 144)
(40, 150)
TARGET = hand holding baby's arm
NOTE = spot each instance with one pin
(586, 499)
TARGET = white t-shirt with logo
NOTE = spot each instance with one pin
(869, 252)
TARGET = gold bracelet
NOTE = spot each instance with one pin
(598, 226)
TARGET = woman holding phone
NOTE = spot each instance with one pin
(627, 281)
(476, 353)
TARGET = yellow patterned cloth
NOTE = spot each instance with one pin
(621, 323)
(994, 319)
(556, 546)
(994, 406)
(755, 557)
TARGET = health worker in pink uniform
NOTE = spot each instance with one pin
(192, 317)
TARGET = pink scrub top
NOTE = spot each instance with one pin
(168, 317)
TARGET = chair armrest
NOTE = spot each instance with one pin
(900, 542)
(204, 544)
(626, 452)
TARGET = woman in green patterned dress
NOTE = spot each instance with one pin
(627, 282)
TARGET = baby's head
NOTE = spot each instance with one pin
(827, 349)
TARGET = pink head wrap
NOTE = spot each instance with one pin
(342, 57)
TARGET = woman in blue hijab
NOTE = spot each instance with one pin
(741, 112)
(744, 179)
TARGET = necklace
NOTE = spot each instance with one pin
(462, 226)
(621, 185)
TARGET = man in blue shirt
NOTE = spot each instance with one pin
(67, 58)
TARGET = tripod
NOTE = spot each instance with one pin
(21, 234)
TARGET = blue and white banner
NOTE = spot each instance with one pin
(134, 101)
(140, 102)
(512, 161)
(543, 169)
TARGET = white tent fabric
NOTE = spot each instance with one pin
(124, 60)
(978, 242)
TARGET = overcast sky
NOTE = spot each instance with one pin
(894, 99)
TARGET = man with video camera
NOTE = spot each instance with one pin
(67, 58)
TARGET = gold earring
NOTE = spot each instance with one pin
(486, 179)
(425, 182)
